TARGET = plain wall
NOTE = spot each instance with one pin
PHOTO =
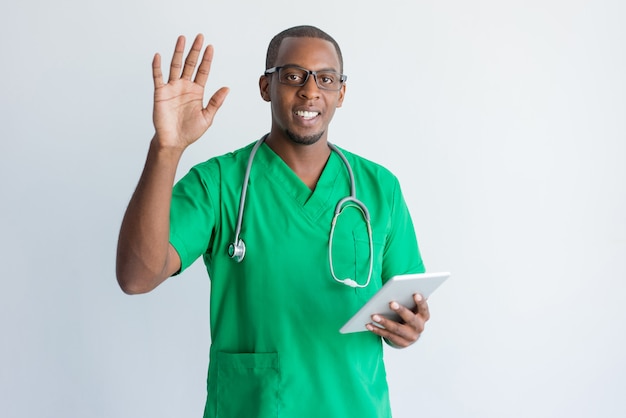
(504, 121)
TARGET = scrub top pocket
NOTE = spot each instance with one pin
(248, 385)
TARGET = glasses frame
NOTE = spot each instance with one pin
(342, 77)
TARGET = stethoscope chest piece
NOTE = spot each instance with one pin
(237, 250)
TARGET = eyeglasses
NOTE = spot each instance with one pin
(297, 77)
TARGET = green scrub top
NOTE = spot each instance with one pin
(276, 349)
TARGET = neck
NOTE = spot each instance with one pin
(306, 161)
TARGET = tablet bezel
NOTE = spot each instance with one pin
(399, 288)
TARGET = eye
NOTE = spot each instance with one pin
(292, 76)
(328, 78)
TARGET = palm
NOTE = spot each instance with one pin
(179, 113)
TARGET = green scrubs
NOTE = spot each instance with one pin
(276, 348)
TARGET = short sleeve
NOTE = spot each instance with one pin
(192, 217)
(401, 254)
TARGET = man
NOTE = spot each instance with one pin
(275, 315)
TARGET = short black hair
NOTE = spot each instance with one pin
(304, 31)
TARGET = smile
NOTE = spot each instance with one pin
(306, 115)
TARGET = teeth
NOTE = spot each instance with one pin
(306, 115)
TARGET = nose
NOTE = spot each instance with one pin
(309, 89)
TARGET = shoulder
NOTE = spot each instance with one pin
(229, 166)
(233, 159)
(367, 168)
(209, 175)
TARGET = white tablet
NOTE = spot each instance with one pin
(400, 289)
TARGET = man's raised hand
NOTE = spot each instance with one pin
(179, 114)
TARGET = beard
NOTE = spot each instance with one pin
(304, 140)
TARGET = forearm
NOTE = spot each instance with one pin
(144, 258)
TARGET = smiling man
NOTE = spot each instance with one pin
(306, 255)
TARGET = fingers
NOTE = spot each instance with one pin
(177, 59)
(205, 66)
(421, 306)
(186, 71)
(157, 74)
(192, 57)
(406, 332)
(398, 335)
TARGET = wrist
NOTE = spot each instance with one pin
(166, 148)
(164, 156)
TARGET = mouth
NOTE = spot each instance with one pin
(306, 115)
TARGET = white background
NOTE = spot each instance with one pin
(504, 120)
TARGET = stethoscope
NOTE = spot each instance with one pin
(237, 249)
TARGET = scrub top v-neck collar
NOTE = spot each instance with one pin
(314, 203)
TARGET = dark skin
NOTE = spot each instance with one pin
(307, 154)
(299, 135)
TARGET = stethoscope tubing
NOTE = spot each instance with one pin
(237, 248)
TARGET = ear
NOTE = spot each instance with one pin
(264, 87)
(342, 94)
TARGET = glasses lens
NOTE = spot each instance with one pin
(295, 76)
(292, 76)
(329, 80)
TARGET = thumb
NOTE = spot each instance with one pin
(216, 101)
